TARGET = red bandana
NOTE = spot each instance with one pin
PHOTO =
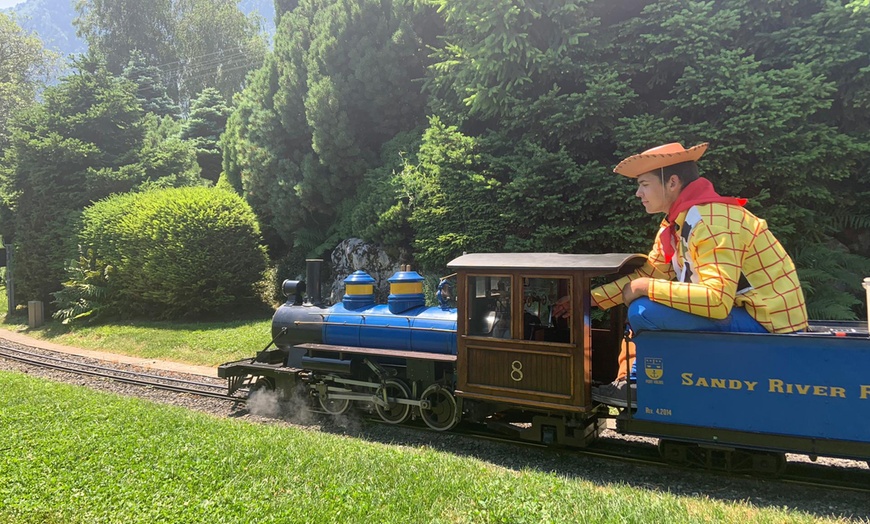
(698, 192)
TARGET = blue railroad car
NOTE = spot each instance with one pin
(806, 392)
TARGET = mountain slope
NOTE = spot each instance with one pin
(52, 21)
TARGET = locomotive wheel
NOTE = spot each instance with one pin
(334, 406)
(441, 414)
(393, 412)
(262, 384)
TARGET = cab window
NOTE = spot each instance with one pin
(540, 295)
(489, 306)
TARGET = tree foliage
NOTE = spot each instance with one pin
(544, 97)
(88, 139)
(343, 81)
(217, 46)
(530, 104)
(204, 126)
(151, 89)
(121, 29)
(24, 66)
(195, 43)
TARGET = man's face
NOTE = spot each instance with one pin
(654, 197)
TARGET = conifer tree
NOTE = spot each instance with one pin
(204, 126)
(87, 140)
(150, 88)
(343, 82)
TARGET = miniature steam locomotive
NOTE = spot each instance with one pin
(500, 358)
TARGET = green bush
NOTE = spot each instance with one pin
(169, 253)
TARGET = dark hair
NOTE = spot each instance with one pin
(687, 172)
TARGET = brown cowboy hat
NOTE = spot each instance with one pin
(658, 157)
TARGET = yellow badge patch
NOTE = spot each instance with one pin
(653, 368)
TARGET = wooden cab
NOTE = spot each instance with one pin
(510, 347)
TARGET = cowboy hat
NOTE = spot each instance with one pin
(658, 157)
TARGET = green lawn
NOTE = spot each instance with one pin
(200, 343)
(72, 455)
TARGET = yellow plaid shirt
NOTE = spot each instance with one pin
(717, 245)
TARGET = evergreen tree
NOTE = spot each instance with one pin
(204, 126)
(88, 139)
(536, 91)
(343, 82)
(166, 159)
(150, 88)
(257, 156)
(284, 6)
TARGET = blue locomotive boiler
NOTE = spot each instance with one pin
(404, 323)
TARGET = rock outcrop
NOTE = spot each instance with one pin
(354, 254)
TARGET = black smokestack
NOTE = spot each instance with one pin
(312, 276)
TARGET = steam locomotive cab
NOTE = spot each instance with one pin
(511, 347)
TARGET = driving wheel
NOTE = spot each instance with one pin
(441, 414)
(394, 412)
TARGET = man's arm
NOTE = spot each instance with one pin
(655, 267)
(717, 253)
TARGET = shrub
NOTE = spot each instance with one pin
(169, 253)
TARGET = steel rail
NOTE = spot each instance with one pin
(60, 364)
(4, 348)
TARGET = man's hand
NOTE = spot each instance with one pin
(637, 288)
(562, 307)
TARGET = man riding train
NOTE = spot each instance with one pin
(714, 266)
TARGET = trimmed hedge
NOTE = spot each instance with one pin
(170, 253)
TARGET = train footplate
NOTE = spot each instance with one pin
(236, 373)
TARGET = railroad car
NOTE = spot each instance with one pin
(492, 353)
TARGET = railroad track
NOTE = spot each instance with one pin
(641, 454)
(146, 380)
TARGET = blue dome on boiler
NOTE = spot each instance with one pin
(406, 291)
(359, 291)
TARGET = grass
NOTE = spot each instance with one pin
(207, 344)
(72, 455)
(199, 343)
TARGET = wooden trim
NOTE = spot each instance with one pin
(522, 349)
(461, 327)
(515, 393)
